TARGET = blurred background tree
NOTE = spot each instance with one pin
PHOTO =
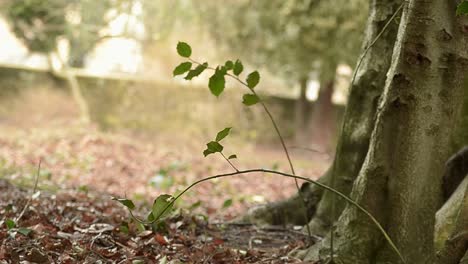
(298, 40)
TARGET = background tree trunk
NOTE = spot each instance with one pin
(300, 112)
(322, 121)
(400, 180)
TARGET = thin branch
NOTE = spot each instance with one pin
(230, 163)
(321, 185)
(34, 191)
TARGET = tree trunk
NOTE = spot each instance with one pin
(322, 122)
(357, 127)
(451, 229)
(74, 87)
(400, 180)
(360, 112)
(300, 112)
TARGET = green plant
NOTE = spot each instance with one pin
(216, 85)
(164, 203)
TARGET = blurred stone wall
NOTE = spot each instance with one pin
(143, 105)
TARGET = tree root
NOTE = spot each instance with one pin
(464, 260)
(451, 232)
(286, 212)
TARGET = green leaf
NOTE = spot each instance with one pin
(229, 65)
(160, 204)
(253, 79)
(217, 82)
(233, 156)
(207, 152)
(462, 8)
(184, 49)
(124, 228)
(214, 146)
(10, 224)
(197, 71)
(223, 133)
(227, 203)
(182, 68)
(150, 217)
(238, 67)
(127, 202)
(250, 99)
(24, 231)
(140, 227)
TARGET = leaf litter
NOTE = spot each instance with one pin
(74, 220)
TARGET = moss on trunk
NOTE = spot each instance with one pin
(360, 111)
(400, 179)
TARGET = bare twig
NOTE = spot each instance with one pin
(34, 191)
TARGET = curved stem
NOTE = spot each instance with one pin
(230, 163)
(280, 136)
(321, 185)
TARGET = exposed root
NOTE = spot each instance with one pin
(286, 212)
(451, 232)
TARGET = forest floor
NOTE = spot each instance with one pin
(77, 227)
(71, 218)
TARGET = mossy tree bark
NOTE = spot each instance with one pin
(451, 229)
(401, 177)
(360, 112)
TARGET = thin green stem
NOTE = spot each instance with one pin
(321, 185)
(230, 163)
(283, 144)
